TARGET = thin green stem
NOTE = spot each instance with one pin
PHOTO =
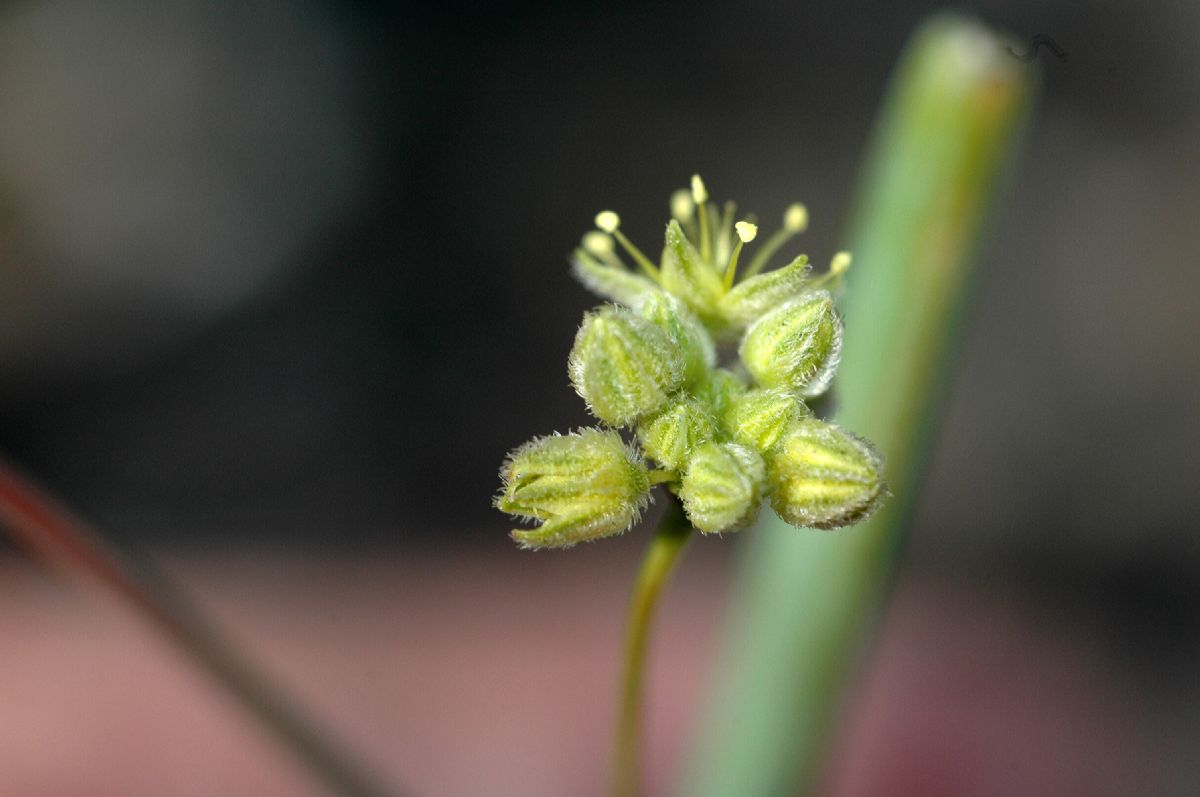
(705, 234)
(766, 250)
(54, 535)
(657, 565)
(643, 261)
(663, 475)
(731, 269)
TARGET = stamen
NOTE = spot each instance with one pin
(745, 233)
(838, 266)
(795, 218)
(610, 222)
(723, 235)
(700, 197)
(795, 221)
(682, 205)
(600, 245)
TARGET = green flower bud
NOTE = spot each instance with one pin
(623, 366)
(673, 433)
(758, 418)
(752, 297)
(823, 477)
(580, 486)
(685, 331)
(686, 274)
(796, 345)
(618, 284)
(720, 388)
(722, 486)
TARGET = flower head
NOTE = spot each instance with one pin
(723, 438)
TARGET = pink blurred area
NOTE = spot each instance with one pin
(481, 677)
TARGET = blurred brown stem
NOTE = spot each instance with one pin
(55, 536)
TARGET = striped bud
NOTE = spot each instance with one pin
(672, 434)
(688, 276)
(685, 331)
(823, 477)
(796, 345)
(623, 366)
(758, 418)
(580, 486)
(720, 389)
(756, 295)
(722, 486)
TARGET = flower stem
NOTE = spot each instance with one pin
(657, 565)
(54, 535)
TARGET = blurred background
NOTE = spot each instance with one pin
(281, 283)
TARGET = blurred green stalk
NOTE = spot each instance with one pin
(804, 599)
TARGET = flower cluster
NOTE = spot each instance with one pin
(723, 438)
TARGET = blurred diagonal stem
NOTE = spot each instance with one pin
(658, 564)
(55, 536)
(805, 600)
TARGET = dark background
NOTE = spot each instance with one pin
(294, 275)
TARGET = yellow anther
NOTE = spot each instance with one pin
(699, 192)
(682, 205)
(795, 218)
(746, 231)
(608, 221)
(598, 243)
(840, 263)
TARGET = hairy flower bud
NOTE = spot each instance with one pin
(687, 275)
(581, 486)
(623, 366)
(823, 477)
(751, 298)
(618, 284)
(720, 388)
(671, 435)
(796, 345)
(758, 418)
(722, 486)
(685, 331)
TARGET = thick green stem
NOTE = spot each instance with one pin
(60, 539)
(657, 565)
(805, 599)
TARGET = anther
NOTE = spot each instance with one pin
(608, 221)
(745, 233)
